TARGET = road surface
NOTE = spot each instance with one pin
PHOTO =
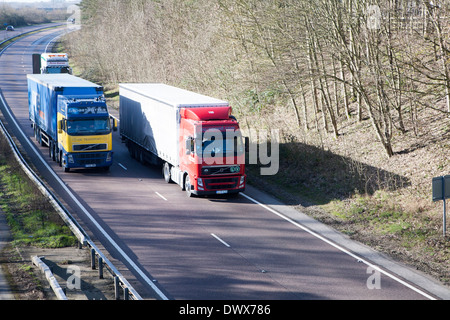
(202, 248)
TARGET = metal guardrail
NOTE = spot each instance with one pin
(79, 232)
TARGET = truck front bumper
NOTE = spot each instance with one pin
(88, 160)
(220, 185)
(218, 192)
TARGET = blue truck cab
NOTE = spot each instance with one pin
(70, 116)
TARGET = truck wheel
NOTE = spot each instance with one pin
(166, 172)
(187, 186)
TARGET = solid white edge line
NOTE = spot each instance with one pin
(122, 166)
(58, 179)
(339, 247)
(223, 242)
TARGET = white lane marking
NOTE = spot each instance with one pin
(223, 242)
(161, 196)
(46, 47)
(123, 167)
(339, 248)
(59, 180)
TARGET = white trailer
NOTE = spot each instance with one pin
(165, 125)
(150, 116)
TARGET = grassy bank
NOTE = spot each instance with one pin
(31, 218)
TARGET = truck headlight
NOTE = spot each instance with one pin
(109, 157)
(70, 158)
(235, 169)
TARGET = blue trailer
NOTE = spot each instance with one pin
(70, 116)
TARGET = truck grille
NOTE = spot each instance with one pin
(90, 158)
(220, 184)
(218, 170)
(90, 147)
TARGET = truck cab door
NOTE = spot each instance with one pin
(62, 130)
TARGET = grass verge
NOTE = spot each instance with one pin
(31, 218)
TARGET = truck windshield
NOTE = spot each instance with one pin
(88, 127)
(57, 70)
(223, 145)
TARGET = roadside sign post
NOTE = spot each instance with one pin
(441, 191)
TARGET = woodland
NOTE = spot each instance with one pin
(325, 60)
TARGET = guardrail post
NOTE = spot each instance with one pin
(100, 268)
(93, 259)
(116, 288)
(126, 293)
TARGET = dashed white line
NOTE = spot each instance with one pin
(161, 196)
(123, 167)
(223, 242)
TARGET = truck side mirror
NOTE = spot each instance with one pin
(114, 124)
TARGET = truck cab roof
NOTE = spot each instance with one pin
(206, 114)
(55, 57)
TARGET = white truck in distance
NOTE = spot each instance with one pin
(50, 63)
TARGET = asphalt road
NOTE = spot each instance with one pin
(203, 248)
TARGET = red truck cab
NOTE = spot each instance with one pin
(212, 152)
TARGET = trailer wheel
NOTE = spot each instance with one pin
(52, 151)
(38, 136)
(187, 186)
(166, 172)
